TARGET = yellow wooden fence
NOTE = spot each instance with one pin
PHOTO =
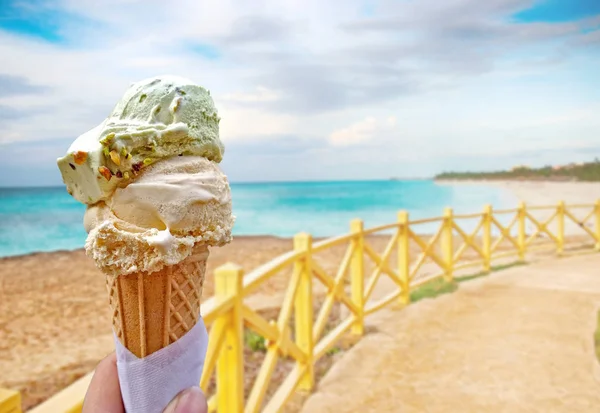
(307, 337)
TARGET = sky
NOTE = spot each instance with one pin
(312, 89)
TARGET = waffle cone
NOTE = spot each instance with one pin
(152, 310)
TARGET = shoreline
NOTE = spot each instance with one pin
(522, 179)
(512, 181)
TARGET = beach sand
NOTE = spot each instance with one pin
(541, 192)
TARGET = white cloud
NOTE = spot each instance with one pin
(261, 94)
(243, 124)
(366, 130)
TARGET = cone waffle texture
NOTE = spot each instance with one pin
(152, 310)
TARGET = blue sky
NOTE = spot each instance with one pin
(559, 11)
(310, 89)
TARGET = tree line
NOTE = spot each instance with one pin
(588, 172)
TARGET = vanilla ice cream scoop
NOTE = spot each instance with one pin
(156, 118)
(189, 195)
(157, 219)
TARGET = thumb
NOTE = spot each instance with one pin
(191, 400)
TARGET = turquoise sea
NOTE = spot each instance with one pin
(48, 219)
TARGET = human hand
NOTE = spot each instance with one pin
(104, 393)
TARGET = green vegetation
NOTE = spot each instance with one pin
(589, 171)
(333, 350)
(501, 267)
(433, 289)
(440, 286)
(494, 268)
(254, 341)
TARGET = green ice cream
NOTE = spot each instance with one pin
(156, 118)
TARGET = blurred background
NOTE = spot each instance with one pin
(331, 110)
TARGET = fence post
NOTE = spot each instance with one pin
(487, 237)
(10, 401)
(403, 256)
(357, 275)
(303, 307)
(230, 364)
(598, 225)
(522, 213)
(447, 247)
(560, 236)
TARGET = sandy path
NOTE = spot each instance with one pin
(518, 341)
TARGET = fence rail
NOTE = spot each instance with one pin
(302, 332)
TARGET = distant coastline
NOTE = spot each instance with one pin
(502, 181)
(573, 172)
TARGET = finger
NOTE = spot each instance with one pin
(104, 393)
(191, 400)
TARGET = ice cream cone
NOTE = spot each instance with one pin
(157, 200)
(152, 310)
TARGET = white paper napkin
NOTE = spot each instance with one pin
(148, 384)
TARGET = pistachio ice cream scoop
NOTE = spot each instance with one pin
(156, 118)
